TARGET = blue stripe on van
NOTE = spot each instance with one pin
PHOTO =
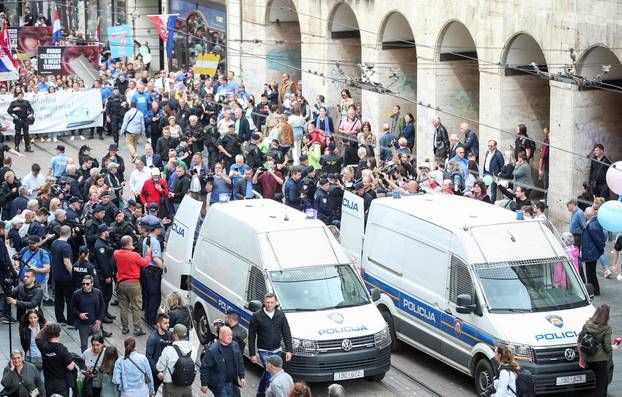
(422, 311)
(216, 300)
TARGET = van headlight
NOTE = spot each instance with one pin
(382, 338)
(519, 350)
(305, 347)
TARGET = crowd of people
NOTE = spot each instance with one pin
(82, 228)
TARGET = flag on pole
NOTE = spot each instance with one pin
(7, 62)
(165, 24)
(97, 35)
(57, 32)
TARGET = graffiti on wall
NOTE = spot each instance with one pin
(279, 61)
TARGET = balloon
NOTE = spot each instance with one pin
(614, 177)
(610, 216)
(488, 179)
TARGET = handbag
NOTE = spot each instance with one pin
(34, 392)
(87, 390)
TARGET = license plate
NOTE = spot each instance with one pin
(570, 380)
(349, 375)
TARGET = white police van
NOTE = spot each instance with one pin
(458, 277)
(245, 249)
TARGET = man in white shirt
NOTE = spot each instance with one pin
(131, 90)
(34, 180)
(138, 177)
(168, 359)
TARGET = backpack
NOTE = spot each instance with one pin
(525, 383)
(184, 370)
(589, 345)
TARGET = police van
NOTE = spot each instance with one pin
(244, 249)
(458, 277)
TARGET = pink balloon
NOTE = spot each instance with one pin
(614, 177)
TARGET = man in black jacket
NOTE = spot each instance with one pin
(115, 110)
(243, 189)
(222, 367)
(254, 157)
(27, 296)
(242, 126)
(181, 186)
(261, 331)
(22, 112)
(105, 266)
(441, 141)
(87, 306)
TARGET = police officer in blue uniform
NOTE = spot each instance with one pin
(321, 203)
(153, 274)
(104, 263)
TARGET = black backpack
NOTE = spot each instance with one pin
(184, 370)
(525, 384)
(589, 345)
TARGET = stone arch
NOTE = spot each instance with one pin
(283, 31)
(344, 47)
(525, 96)
(457, 75)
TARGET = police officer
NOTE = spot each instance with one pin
(152, 274)
(99, 211)
(82, 267)
(335, 194)
(115, 110)
(104, 263)
(324, 211)
(254, 156)
(130, 207)
(331, 162)
(229, 146)
(22, 113)
(120, 228)
(308, 185)
(361, 191)
(74, 209)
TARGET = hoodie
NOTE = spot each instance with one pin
(168, 358)
(603, 334)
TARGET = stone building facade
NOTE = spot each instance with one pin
(470, 59)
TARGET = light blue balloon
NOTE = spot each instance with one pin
(487, 180)
(610, 216)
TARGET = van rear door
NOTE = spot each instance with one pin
(180, 247)
(352, 230)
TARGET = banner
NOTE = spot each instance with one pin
(66, 60)
(60, 111)
(29, 38)
(121, 43)
(206, 64)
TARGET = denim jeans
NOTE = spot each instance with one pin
(265, 377)
(229, 390)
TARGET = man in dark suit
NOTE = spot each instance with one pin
(454, 144)
(441, 140)
(492, 165)
(242, 125)
(151, 159)
(471, 142)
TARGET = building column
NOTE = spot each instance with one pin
(426, 94)
(490, 115)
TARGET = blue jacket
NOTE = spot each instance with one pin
(385, 146)
(577, 221)
(292, 194)
(592, 241)
(471, 143)
(409, 133)
(496, 163)
(214, 368)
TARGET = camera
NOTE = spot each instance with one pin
(209, 176)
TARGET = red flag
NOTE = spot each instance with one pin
(160, 23)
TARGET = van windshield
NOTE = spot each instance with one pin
(536, 286)
(318, 288)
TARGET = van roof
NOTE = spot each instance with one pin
(261, 216)
(449, 211)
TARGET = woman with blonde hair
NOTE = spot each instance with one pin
(505, 382)
(178, 312)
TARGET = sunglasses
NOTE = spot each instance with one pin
(86, 283)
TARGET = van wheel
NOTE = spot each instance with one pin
(375, 378)
(483, 376)
(388, 318)
(202, 326)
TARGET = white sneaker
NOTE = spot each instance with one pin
(82, 137)
(72, 138)
(55, 139)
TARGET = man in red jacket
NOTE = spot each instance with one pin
(153, 189)
(129, 264)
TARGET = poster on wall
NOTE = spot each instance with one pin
(121, 43)
(60, 111)
(29, 38)
(66, 61)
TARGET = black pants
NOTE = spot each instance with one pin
(106, 294)
(590, 273)
(63, 290)
(56, 386)
(115, 126)
(21, 128)
(153, 294)
(350, 156)
(600, 369)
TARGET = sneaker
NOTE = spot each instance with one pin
(73, 138)
(125, 331)
(139, 332)
(82, 137)
(607, 273)
(8, 319)
(55, 140)
(114, 303)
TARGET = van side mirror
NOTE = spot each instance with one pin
(253, 306)
(464, 304)
(375, 295)
(590, 290)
